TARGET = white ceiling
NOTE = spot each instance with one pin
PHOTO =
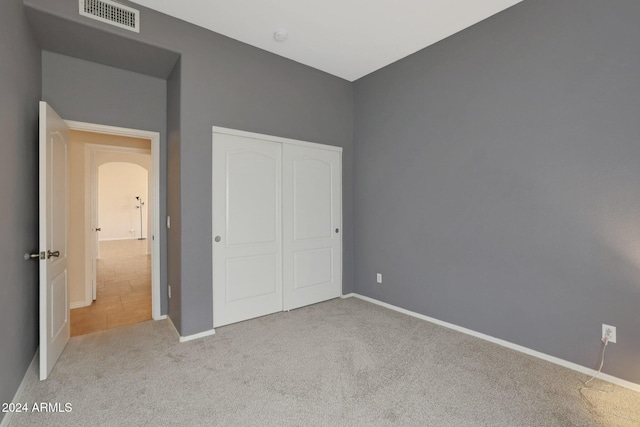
(346, 38)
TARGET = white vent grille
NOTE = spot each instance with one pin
(112, 13)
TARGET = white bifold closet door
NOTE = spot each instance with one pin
(277, 218)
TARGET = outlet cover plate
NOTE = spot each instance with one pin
(612, 335)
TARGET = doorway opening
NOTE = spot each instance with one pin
(114, 245)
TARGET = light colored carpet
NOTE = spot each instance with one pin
(338, 363)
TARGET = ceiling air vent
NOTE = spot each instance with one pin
(112, 13)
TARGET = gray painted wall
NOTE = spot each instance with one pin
(233, 85)
(59, 35)
(174, 253)
(89, 92)
(225, 83)
(497, 180)
(20, 89)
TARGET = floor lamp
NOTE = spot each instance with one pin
(140, 205)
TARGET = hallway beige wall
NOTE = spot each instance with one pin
(78, 226)
(120, 179)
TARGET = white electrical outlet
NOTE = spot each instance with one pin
(609, 331)
(379, 277)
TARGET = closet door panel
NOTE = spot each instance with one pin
(251, 198)
(312, 267)
(247, 228)
(312, 198)
(312, 221)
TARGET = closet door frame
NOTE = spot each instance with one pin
(283, 142)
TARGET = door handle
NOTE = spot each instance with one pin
(53, 254)
(37, 255)
(98, 228)
(217, 238)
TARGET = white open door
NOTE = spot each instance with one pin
(247, 228)
(312, 218)
(54, 289)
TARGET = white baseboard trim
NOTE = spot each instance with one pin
(162, 317)
(191, 337)
(198, 335)
(351, 295)
(79, 304)
(17, 397)
(503, 343)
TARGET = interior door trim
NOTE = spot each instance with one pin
(155, 166)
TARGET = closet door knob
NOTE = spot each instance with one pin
(217, 238)
(337, 230)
